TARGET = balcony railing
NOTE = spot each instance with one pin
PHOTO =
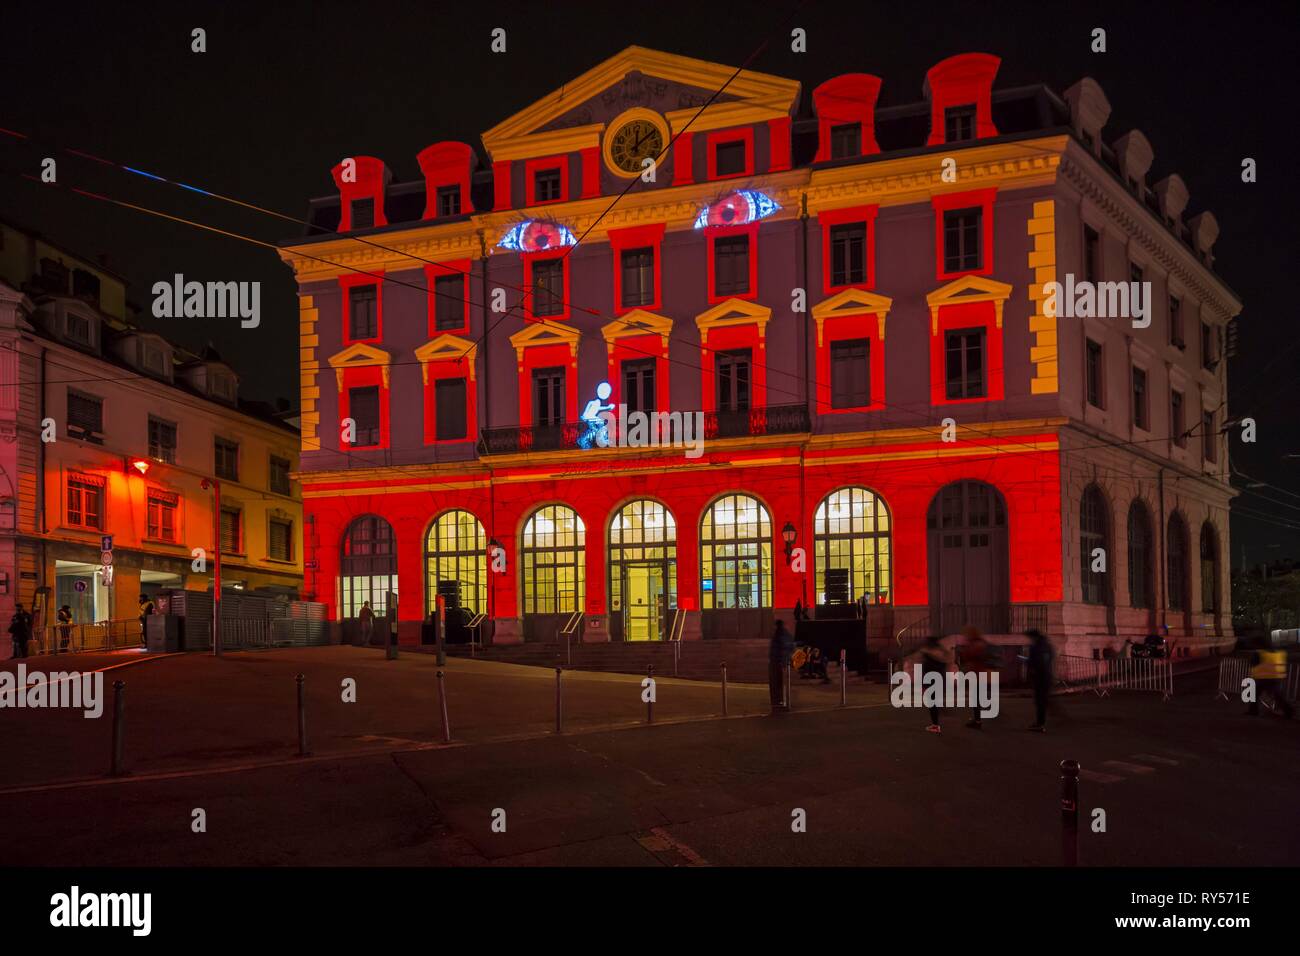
(762, 420)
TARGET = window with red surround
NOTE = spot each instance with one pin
(541, 357)
(450, 414)
(637, 282)
(736, 156)
(848, 248)
(733, 262)
(963, 233)
(447, 169)
(363, 307)
(361, 179)
(546, 278)
(546, 180)
(956, 84)
(842, 104)
(966, 355)
(448, 284)
(364, 399)
(840, 338)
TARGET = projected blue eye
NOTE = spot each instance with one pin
(738, 208)
(537, 235)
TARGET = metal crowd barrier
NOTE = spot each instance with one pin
(78, 638)
(1232, 671)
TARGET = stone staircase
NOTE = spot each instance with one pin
(698, 660)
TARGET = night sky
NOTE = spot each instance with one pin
(287, 89)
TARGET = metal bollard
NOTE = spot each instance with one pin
(442, 699)
(559, 703)
(844, 688)
(785, 696)
(301, 681)
(392, 643)
(119, 728)
(724, 688)
(1070, 812)
(676, 654)
(650, 704)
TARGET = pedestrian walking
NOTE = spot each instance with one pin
(1039, 666)
(780, 651)
(146, 612)
(367, 619)
(974, 657)
(20, 630)
(1269, 671)
(934, 659)
(65, 628)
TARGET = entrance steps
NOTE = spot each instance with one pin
(698, 660)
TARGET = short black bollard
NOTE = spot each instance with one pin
(1070, 812)
(119, 727)
(724, 688)
(650, 694)
(559, 702)
(442, 699)
(301, 681)
(786, 688)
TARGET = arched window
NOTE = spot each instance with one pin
(736, 554)
(1140, 579)
(1209, 569)
(551, 560)
(455, 561)
(1177, 561)
(367, 566)
(851, 532)
(642, 570)
(1094, 533)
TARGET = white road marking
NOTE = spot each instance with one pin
(1153, 758)
(1094, 777)
(1129, 767)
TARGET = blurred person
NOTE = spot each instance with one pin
(1039, 666)
(934, 659)
(1269, 671)
(146, 611)
(20, 630)
(367, 619)
(780, 651)
(65, 628)
(974, 656)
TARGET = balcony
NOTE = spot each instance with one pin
(752, 422)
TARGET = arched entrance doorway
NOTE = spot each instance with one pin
(642, 571)
(736, 568)
(367, 570)
(969, 563)
(851, 533)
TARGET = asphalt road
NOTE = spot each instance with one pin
(1188, 782)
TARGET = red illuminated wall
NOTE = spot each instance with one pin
(1028, 480)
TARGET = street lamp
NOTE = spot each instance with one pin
(788, 535)
(215, 485)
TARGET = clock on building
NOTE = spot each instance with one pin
(631, 139)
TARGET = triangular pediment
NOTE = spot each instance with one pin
(359, 355)
(966, 290)
(445, 348)
(534, 334)
(733, 312)
(671, 85)
(852, 302)
(637, 322)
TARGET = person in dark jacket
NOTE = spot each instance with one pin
(934, 658)
(1039, 666)
(20, 629)
(65, 628)
(780, 650)
(974, 656)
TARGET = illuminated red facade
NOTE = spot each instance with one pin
(852, 301)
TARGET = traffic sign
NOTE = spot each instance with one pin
(79, 587)
(105, 542)
(106, 558)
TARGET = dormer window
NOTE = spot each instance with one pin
(152, 358)
(54, 276)
(363, 213)
(79, 329)
(959, 123)
(85, 285)
(846, 141)
(223, 386)
(730, 158)
(449, 200)
(546, 185)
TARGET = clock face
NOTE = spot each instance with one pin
(632, 143)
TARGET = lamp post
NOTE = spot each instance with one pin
(215, 485)
(788, 535)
